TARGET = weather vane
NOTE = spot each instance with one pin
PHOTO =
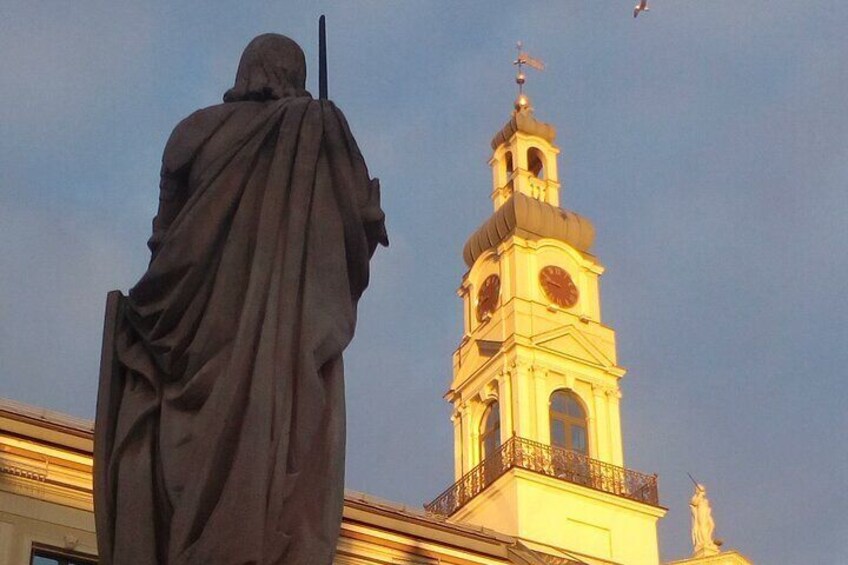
(520, 78)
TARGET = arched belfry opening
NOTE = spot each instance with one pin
(509, 170)
(536, 162)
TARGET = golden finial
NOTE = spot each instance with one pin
(523, 101)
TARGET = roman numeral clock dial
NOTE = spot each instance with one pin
(558, 286)
(487, 297)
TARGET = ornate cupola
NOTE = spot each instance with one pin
(535, 391)
(524, 159)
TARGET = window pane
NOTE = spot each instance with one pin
(558, 401)
(493, 417)
(44, 556)
(491, 445)
(578, 439)
(574, 408)
(490, 435)
(558, 433)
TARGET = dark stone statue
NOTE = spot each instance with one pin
(220, 429)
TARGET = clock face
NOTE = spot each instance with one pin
(558, 286)
(487, 297)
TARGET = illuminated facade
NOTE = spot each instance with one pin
(45, 487)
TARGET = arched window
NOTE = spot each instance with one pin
(536, 163)
(490, 430)
(568, 422)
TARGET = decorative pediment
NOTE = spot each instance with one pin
(571, 342)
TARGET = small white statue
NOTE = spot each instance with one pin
(702, 523)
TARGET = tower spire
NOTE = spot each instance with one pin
(520, 78)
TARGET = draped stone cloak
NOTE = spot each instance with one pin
(220, 421)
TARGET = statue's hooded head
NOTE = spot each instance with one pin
(271, 67)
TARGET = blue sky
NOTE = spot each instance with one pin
(708, 142)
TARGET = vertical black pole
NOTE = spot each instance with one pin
(322, 58)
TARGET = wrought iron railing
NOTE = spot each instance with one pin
(550, 461)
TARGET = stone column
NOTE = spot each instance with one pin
(613, 402)
(600, 436)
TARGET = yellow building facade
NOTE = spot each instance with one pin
(45, 486)
(538, 452)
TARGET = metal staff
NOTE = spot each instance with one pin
(322, 58)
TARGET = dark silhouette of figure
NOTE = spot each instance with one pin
(220, 428)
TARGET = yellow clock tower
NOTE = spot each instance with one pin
(535, 392)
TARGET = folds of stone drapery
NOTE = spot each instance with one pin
(221, 412)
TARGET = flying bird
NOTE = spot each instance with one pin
(642, 6)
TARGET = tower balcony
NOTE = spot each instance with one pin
(555, 462)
